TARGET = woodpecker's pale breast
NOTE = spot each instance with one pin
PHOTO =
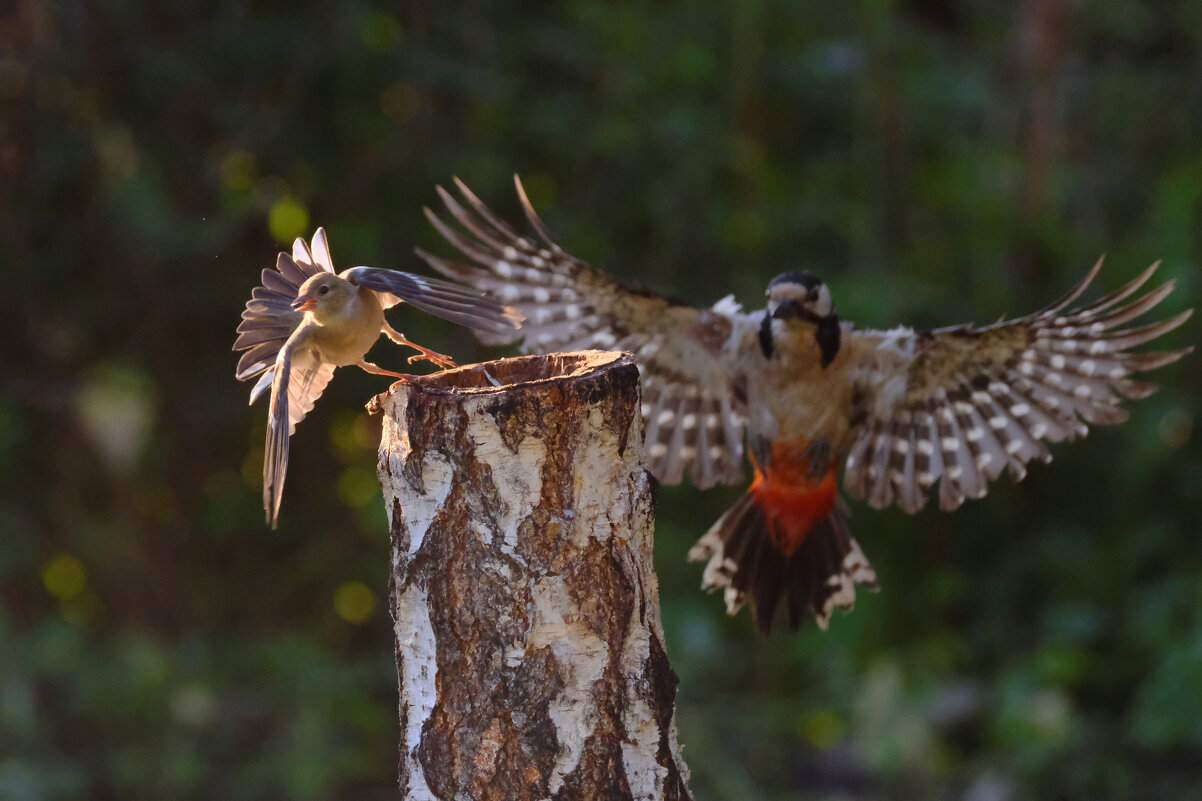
(793, 397)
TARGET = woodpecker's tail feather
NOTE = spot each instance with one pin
(745, 563)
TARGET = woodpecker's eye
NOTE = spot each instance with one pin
(323, 290)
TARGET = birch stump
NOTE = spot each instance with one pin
(529, 649)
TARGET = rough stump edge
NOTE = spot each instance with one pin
(473, 380)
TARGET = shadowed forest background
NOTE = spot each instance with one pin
(935, 162)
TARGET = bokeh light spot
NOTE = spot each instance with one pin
(1176, 427)
(116, 408)
(380, 31)
(64, 577)
(400, 101)
(346, 438)
(238, 170)
(354, 602)
(823, 728)
(287, 219)
(358, 486)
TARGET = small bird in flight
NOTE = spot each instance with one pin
(305, 320)
(897, 410)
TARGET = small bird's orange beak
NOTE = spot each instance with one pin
(304, 303)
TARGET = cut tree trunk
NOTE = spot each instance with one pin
(530, 654)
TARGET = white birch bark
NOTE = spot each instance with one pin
(529, 648)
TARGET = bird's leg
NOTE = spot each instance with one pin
(371, 368)
(440, 359)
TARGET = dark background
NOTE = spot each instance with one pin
(935, 161)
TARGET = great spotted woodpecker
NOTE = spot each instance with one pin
(898, 410)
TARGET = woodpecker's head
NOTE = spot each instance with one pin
(325, 295)
(800, 296)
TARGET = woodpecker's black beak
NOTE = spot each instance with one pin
(827, 334)
(792, 310)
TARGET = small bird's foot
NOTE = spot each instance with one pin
(439, 359)
(393, 386)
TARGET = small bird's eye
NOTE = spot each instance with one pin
(323, 290)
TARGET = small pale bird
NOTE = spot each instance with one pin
(897, 410)
(305, 320)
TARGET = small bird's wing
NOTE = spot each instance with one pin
(960, 404)
(462, 305)
(269, 319)
(298, 378)
(693, 408)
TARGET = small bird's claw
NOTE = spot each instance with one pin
(439, 359)
(393, 386)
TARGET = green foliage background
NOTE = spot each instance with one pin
(936, 162)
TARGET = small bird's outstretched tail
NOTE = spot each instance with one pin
(745, 561)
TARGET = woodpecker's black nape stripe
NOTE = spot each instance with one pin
(766, 336)
(828, 336)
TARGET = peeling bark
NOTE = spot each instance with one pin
(529, 648)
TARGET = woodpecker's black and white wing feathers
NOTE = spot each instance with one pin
(958, 405)
(693, 411)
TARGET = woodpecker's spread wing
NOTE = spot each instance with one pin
(959, 404)
(692, 408)
(462, 305)
(269, 319)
